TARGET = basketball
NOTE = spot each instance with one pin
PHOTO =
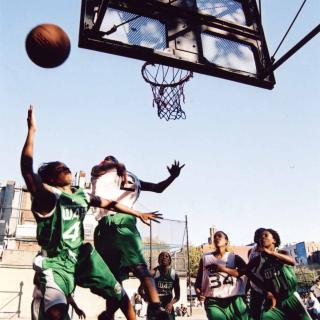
(47, 45)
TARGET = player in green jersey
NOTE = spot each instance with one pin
(59, 211)
(272, 271)
(166, 280)
(256, 295)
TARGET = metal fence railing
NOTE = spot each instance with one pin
(12, 299)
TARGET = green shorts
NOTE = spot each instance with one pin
(256, 303)
(118, 241)
(232, 308)
(289, 308)
(84, 268)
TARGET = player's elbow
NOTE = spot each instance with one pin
(292, 263)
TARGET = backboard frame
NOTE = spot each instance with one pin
(184, 23)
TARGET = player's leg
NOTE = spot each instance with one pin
(256, 303)
(294, 308)
(93, 273)
(274, 314)
(129, 242)
(56, 282)
(106, 233)
(213, 310)
(237, 310)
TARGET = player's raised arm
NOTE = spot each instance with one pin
(281, 255)
(238, 271)
(118, 207)
(174, 172)
(32, 180)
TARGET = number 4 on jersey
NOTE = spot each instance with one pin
(72, 233)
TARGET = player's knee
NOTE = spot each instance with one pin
(104, 316)
(57, 312)
(141, 271)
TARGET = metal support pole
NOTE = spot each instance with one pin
(19, 302)
(294, 49)
(150, 245)
(188, 274)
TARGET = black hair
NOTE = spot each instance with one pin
(47, 171)
(111, 158)
(162, 253)
(257, 235)
(225, 235)
(275, 236)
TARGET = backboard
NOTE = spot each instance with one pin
(222, 38)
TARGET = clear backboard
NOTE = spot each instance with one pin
(222, 38)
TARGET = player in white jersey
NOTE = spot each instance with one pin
(221, 282)
(117, 238)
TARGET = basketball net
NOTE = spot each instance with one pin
(167, 85)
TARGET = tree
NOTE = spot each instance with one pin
(194, 256)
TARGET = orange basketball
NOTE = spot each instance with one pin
(47, 45)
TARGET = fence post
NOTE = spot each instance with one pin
(188, 275)
(19, 301)
(150, 245)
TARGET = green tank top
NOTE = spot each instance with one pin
(164, 284)
(278, 277)
(62, 229)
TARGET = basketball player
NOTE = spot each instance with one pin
(117, 238)
(59, 211)
(256, 294)
(220, 282)
(166, 281)
(272, 271)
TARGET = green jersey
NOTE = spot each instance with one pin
(165, 284)
(62, 229)
(278, 278)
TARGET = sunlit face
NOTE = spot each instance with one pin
(267, 239)
(62, 175)
(164, 259)
(220, 240)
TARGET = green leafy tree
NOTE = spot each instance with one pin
(195, 255)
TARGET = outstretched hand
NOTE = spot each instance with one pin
(152, 216)
(31, 119)
(80, 313)
(175, 169)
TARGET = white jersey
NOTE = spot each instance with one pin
(110, 186)
(220, 284)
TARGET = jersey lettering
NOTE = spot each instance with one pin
(72, 233)
(71, 213)
(218, 279)
(164, 285)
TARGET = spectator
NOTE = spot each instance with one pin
(184, 311)
(315, 289)
(313, 306)
(137, 301)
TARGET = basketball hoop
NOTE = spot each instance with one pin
(167, 87)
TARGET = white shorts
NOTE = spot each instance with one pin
(138, 306)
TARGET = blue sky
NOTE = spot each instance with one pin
(252, 155)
